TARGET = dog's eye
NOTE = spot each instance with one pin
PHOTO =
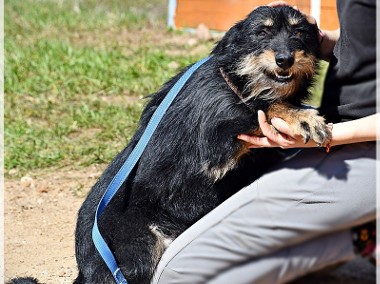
(262, 33)
(298, 33)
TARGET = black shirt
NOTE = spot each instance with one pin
(350, 86)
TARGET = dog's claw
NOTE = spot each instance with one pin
(315, 130)
(306, 133)
(305, 123)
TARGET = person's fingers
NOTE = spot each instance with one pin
(277, 3)
(281, 3)
(282, 126)
(258, 141)
(266, 128)
(282, 136)
(321, 36)
(309, 18)
(279, 140)
(254, 141)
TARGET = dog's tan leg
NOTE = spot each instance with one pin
(303, 122)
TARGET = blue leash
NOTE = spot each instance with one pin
(128, 166)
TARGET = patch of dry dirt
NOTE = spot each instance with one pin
(40, 216)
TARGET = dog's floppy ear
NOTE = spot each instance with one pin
(228, 44)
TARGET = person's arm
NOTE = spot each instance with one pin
(359, 130)
(328, 40)
(280, 135)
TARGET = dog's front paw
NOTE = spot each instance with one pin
(312, 126)
(303, 122)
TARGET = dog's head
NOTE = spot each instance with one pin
(272, 53)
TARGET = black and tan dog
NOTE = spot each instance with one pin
(194, 160)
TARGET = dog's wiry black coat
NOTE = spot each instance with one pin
(194, 160)
(182, 175)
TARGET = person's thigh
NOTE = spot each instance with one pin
(289, 263)
(280, 267)
(302, 198)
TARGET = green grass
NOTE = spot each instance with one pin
(75, 76)
(30, 17)
(317, 88)
(76, 73)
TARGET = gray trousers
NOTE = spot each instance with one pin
(293, 220)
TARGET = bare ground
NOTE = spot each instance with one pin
(40, 215)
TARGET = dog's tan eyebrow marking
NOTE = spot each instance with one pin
(294, 21)
(269, 22)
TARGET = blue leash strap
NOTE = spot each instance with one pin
(126, 169)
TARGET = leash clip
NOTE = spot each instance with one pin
(119, 277)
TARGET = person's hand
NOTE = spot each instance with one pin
(276, 134)
(278, 3)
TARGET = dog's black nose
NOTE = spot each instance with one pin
(284, 60)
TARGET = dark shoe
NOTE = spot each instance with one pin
(364, 240)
